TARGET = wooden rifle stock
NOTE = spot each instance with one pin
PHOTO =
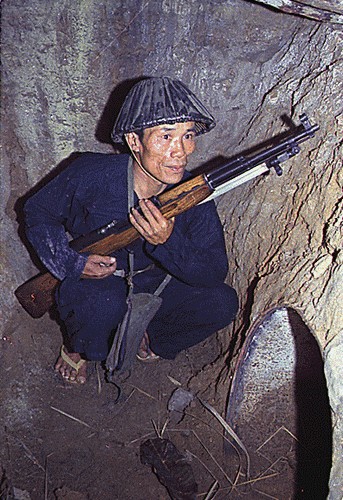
(38, 294)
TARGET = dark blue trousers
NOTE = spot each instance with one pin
(92, 309)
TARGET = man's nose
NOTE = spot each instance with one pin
(178, 149)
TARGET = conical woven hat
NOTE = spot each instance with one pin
(156, 101)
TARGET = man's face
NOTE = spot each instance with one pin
(164, 149)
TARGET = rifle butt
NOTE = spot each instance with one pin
(37, 295)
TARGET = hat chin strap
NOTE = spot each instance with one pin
(140, 164)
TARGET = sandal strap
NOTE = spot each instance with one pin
(70, 362)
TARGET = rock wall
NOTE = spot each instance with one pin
(65, 65)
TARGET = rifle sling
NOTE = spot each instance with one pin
(130, 332)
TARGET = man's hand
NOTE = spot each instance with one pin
(99, 266)
(154, 227)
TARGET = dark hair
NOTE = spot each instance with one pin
(140, 133)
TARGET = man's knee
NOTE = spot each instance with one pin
(93, 303)
(224, 304)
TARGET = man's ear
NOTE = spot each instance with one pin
(133, 141)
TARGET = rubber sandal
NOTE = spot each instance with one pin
(150, 357)
(70, 362)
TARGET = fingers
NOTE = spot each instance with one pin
(150, 213)
(99, 266)
(151, 224)
(102, 260)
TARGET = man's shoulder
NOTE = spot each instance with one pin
(92, 164)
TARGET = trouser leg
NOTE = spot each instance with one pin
(91, 311)
(189, 315)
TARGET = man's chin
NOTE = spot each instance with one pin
(175, 176)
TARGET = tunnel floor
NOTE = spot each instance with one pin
(73, 442)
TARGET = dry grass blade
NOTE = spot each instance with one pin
(230, 431)
(98, 378)
(212, 490)
(217, 431)
(140, 438)
(70, 416)
(158, 434)
(164, 427)
(235, 482)
(28, 453)
(46, 480)
(143, 392)
(282, 428)
(202, 463)
(212, 457)
(259, 478)
(266, 495)
(174, 381)
(262, 475)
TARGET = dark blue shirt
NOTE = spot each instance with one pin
(89, 194)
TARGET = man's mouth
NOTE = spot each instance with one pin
(176, 169)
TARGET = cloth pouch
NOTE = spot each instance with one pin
(142, 307)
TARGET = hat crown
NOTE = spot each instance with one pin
(159, 100)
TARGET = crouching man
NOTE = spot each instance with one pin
(159, 120)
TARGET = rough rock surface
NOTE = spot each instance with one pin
(63, 79)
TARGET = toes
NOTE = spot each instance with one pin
(69, 372)
(81, 379)
(58, 365)
(65, 372)
(72, 376)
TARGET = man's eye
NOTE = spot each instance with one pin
(189, 136)
(166, 136)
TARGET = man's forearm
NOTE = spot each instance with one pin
(52, 247)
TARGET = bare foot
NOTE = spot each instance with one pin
(144, 352)
(71, 366)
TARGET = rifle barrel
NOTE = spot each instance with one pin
(279, 153)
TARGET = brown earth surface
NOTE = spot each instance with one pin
(74, 442)
(62, 440)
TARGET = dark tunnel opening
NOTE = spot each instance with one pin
(312, 413)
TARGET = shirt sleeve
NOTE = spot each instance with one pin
(46, 214)
(195, 252)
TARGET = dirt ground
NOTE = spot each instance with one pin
(74, 442)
